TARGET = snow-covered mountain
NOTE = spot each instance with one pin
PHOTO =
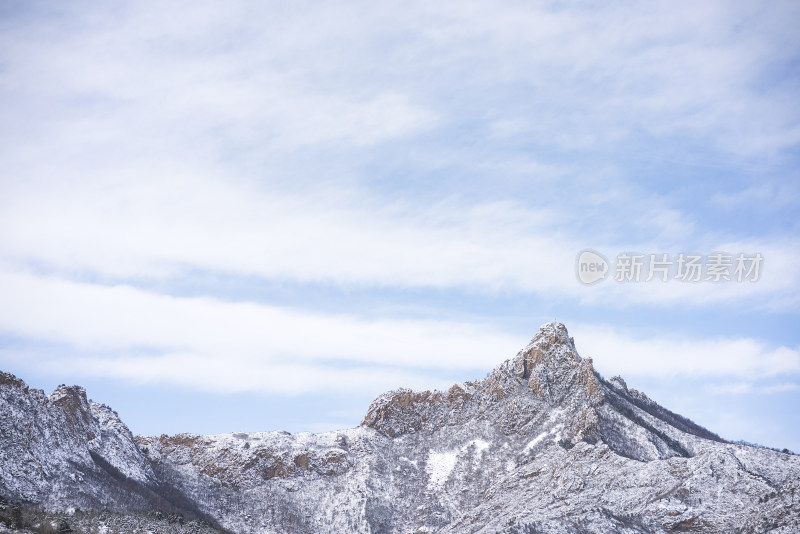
(543, 444)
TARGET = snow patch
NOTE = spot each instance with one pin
(440, 465)
(480, 444)
(532, 443)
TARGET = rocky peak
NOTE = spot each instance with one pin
(618, 383)
(547, 372)
(554, 370)
(72, 401)
(64, 440)
(7, 379)
(551, 346)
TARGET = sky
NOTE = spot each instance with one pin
(252, 216)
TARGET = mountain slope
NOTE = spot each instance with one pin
(62, 443)
(543, 444)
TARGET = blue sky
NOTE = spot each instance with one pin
(245, 216)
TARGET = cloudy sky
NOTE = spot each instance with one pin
(255, 216)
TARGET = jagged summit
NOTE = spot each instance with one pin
(553, 368)
(543, 444)
(546, 386)
(547, 373)
(553, 333)
(551, 344)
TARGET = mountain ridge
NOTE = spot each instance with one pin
(543, 443)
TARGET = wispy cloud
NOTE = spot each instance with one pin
(127, 230)
(152, 75)
(735, 388)
(741, 388)
(618, 351)
(251, 140)
(782, 387)
(455, 149)
(128, 333)
(124, 332)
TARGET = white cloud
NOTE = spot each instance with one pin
(738, 388)
(662, 356)
(268, 76)
(776, 287)
(781, 388)
(129, 228)
(735, 388)
(146, 228)
(202, 343)
(222, 346)
(764, 196)
(146, 137)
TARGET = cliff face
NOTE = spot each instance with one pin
(542, 444)
(63, 450)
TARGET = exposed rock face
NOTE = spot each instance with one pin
(542, 444)
(554, 370)
(559, 382)
(63, 451)
(61, 441)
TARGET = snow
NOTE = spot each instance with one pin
(532, 443)
(439, 466)
(479, 444)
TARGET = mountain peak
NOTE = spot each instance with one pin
(547, 373)
(554, 370)
(551, 345)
